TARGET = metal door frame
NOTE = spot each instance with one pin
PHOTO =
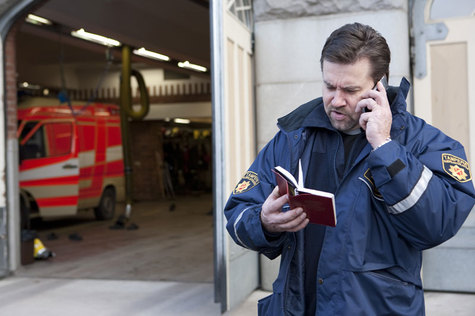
(9, 217)
(217, 100)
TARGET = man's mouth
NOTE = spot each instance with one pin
(337, 115)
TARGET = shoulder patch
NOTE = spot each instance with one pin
(247, 182)
(456, 167)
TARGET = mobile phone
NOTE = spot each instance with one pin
(384, 81)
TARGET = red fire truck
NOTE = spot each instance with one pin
(70, 158)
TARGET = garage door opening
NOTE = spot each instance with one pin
(169, 235)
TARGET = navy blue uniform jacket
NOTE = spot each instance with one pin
(411, 194)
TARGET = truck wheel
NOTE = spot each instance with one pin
(106, 207)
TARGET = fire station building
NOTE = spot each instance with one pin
(254, 61)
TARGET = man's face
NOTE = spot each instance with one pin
(343, 86)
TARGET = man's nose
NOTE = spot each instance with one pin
(338, 99)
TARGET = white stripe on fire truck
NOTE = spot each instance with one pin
(51, 171)
(51, 191)
(87, 158)
(113, 153)
(85, 183)
(88, 202)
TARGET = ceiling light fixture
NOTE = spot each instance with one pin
(187, 64)
(38, 20)
(99, 39)
(147, 53)
(181, 121)
(29, 86)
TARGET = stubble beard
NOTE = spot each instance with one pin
(346, 125)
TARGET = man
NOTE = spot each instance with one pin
(400, 185)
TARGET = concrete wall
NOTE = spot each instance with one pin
(288, 50)
(289, 36)
(284, 9)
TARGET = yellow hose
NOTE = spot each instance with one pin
(126, 111)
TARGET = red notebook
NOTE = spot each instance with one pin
(319, 205)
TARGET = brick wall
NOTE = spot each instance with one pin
(11, 82)
(147, 155)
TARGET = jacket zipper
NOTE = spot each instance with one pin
(293, 235)
(335, 173)
(290, 141)
(286, 287)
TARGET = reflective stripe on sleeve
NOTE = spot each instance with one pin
(415, 195)
(235, 226)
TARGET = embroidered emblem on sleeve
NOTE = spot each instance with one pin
(456, 167)
(247, 182)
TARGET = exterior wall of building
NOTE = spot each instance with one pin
(443, 76)
(289, 36)
(13, 192)
(9, 202)
(288, 46)
(283, 9)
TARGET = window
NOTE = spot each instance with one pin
(59, 136)
(39, 140)
(242, 9)
(32, 145)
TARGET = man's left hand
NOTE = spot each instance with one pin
(377, 122)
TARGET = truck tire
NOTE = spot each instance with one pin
(106, 207)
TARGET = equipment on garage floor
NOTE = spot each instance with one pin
(40, 251)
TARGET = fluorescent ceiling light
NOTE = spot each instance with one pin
(181, 121)
(81, 33)
(146, 53)
(38, 20)
(187, 64)
(29, 86)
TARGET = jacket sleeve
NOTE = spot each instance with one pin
(426, 186)
(244, 205)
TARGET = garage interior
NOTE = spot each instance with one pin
(171, 161)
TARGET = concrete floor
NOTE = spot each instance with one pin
(437, 304)
(167, 246)
(22, 296)
(163, 268)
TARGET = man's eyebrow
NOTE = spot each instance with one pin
(344, 88)
(352, 88)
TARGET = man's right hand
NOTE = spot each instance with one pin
(275, 221)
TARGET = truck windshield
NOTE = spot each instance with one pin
(34, 145)
(47, 140)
